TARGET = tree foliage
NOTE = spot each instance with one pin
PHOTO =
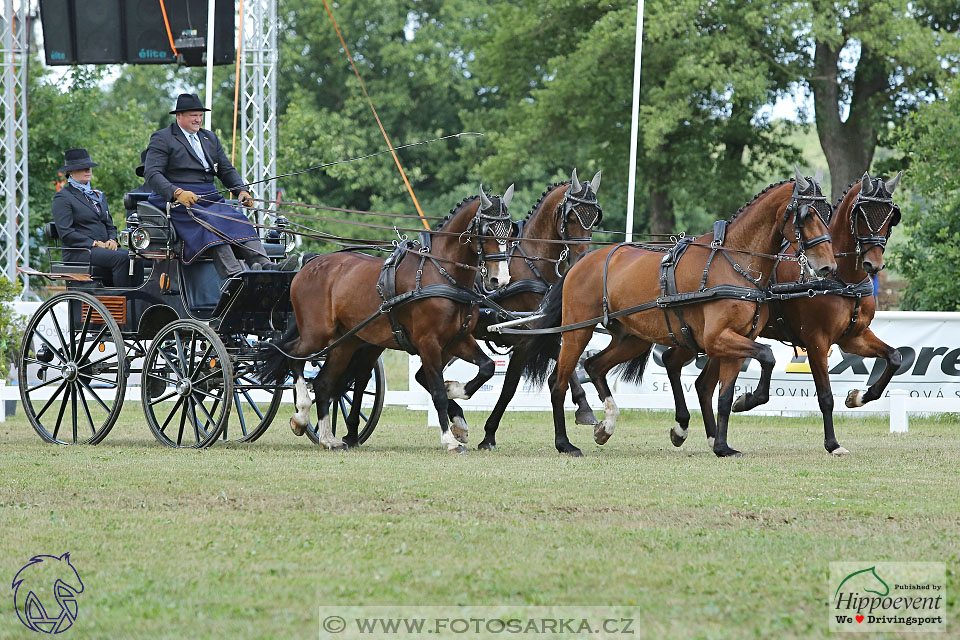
(930, 256)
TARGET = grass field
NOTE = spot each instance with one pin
(247, 541)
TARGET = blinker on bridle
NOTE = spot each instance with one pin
(800, 205)
(874, 238)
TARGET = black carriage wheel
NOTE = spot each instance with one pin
(252, 413)
(340, 408)
(187, 385)
(71, 370)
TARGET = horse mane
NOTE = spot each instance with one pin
(543, 195)
(844, 194)
(753, 199)
(454, 210)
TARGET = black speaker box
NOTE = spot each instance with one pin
(98, 31)
(57, 32)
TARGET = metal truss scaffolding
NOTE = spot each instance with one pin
(14, 217)
(258, 96)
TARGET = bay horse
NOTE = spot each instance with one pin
(631, 289)
(566, 212)
(420, 300)
(839, 314)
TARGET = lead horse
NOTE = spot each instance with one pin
(426, 305)
(642, 295)
(816, 315)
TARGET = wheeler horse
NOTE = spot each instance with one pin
(565, 213)
(817, 314)
(693, 295)
(426, 305)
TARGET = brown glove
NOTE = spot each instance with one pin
(186, 198)
(245, 198)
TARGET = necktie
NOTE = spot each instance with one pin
(197, 149)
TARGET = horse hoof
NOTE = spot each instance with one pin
(840, 451)
(487, 446)
(459, 449)
(342, 446)
(600, 434)
(455, 390)
(298, 429)
(854, 399)
(458, 428)
(740, 404)
(728, 452)
(586, 418)
(678, 435)
(572, 451)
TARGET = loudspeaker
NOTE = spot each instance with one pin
(98, 31)
(147, 40)
(57, 32)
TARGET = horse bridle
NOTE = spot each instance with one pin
(874, 238)
(585, 208)
(800, 205)
(496, 224)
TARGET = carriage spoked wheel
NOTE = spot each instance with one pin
(187, 385)
(374, 392)
(254, 406)
(72, 370)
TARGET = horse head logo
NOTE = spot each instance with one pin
(866, 580)
(58, 583)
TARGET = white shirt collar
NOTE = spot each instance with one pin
(187, 134)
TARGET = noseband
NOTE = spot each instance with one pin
(875, 203)
(800, 205)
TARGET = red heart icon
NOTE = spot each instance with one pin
(859, 618)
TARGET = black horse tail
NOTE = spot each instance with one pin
(632, 370)
(543, 349)
(275, 366)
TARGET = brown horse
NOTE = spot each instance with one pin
(567, 211)
(861, 225)
(428, 309)
(627, 278)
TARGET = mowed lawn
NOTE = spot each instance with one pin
(247, 541)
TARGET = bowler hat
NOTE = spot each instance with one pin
(76, 159)
(188, 102)
(143, 160)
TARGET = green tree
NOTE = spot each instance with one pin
(11, 325)
(867, 63)
(930, 255)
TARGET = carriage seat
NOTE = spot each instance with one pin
(52, 236)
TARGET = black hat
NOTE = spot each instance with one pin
(143, 161)
(76, 159)
(188, 102)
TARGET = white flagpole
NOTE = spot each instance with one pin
(208, 103)
(634, 124)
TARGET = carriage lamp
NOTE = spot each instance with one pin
(288, 239)
(44, 354)
(139, 239)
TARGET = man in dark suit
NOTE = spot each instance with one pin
(84, 223)
(181, 163)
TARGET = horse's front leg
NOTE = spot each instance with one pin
(674, 360)
(511, 380)
(621, 349)
(458, 423)
(817, 357)
(431, 378)
(467, 349)
(868, 345)
(362, 368)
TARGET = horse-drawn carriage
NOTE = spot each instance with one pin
(190, 339)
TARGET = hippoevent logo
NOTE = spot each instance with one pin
(45, 593)
(888, 596)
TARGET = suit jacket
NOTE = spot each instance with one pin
(170, 158)
(78, 221)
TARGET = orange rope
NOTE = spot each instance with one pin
(236, 89)
(372, 108)
(166, 23)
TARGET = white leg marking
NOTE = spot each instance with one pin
(680, 431)
(840, 451)
(450, 443)
(858, 398)
(710, 442)
(455, 390)
(459, 429)
(327, 439)
(301, 419)
(605, 428)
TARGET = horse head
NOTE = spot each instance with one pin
(873, 215)
(490, 232)
(577, 214)
(58, 578)
(809, 213)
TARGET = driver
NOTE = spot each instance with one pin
(181, 163)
